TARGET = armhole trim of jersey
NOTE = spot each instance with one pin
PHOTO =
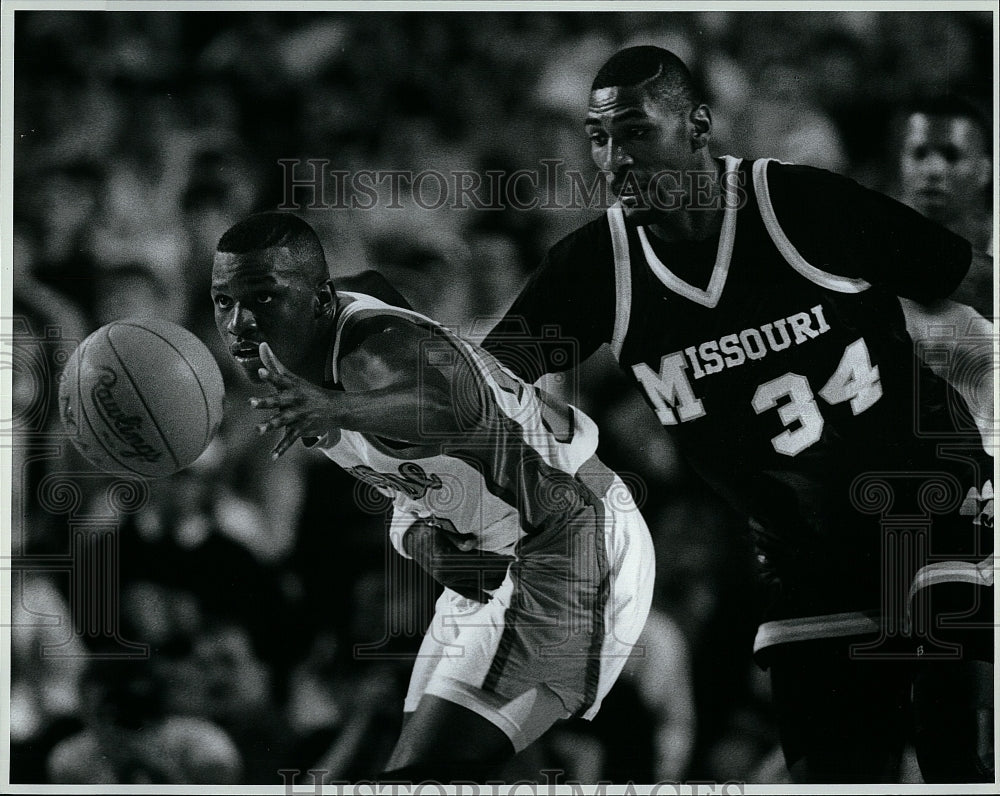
(332, 372)
(623, 278)
(359, 302)
(840, 284)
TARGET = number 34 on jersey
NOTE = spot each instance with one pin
(855, 380)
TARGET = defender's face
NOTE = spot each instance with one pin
(943, 166)
(262, 297)
(643, 147)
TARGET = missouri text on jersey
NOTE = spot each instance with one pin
(670, 390)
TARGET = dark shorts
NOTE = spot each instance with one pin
(845, 714)
(846, 706)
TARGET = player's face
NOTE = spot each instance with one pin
(263, 297)
(943, 166)
(643, 147)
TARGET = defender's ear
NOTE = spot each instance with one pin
(326, 298)
(701, 126)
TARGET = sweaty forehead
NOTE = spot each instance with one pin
(614, 102)
(932, 130)
(269, 265)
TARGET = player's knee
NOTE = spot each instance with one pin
(445, 742)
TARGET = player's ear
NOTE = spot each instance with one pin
(326, 298)
(983, 173)
(700, 119)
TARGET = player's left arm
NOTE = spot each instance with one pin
(390, 390)
(956, 343)
(849, 230)
(846, 229)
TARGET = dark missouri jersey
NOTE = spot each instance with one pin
(778, 358)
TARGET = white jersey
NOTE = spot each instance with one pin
(515, 474)
(525, 482)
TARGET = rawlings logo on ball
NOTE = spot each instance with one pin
(125, 426)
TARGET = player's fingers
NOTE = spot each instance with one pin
(271, 361)
(280, 380)
(286, 417)
(286, 442)
(278, 401)
(270, 402)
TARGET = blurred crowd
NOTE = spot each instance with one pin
(280, 624)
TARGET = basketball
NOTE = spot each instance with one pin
(141, 395)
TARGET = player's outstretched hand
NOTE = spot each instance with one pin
(303, 409)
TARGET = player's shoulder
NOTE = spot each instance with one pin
(373, 284)
(587, 242)
(792, 183)
(365, 316)
(820, 211)
(377, 343)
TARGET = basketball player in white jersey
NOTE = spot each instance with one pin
(477, 462)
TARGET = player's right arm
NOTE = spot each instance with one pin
(569, 298)
(389, 391)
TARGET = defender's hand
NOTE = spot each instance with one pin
(304, 410)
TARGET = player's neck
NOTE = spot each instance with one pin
(315, 368)
(700, 218)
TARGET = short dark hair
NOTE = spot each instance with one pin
(950, 105)
(267, 230)
(665, 75)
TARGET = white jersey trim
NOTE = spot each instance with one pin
(709, 297)
(623, 278)
(840, 284)
(362, 301)
(785, 631)
(978, 574)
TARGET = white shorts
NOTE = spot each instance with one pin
(555, 635)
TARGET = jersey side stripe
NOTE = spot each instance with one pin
(840, 284)
(623, 278)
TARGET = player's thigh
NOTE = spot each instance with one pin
(841, 718)
(457, 662)
(953, 678)
(953, 720)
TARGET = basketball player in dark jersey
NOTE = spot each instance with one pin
(772, 316)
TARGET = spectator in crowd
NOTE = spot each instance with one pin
(129, 738)
(943, 151)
